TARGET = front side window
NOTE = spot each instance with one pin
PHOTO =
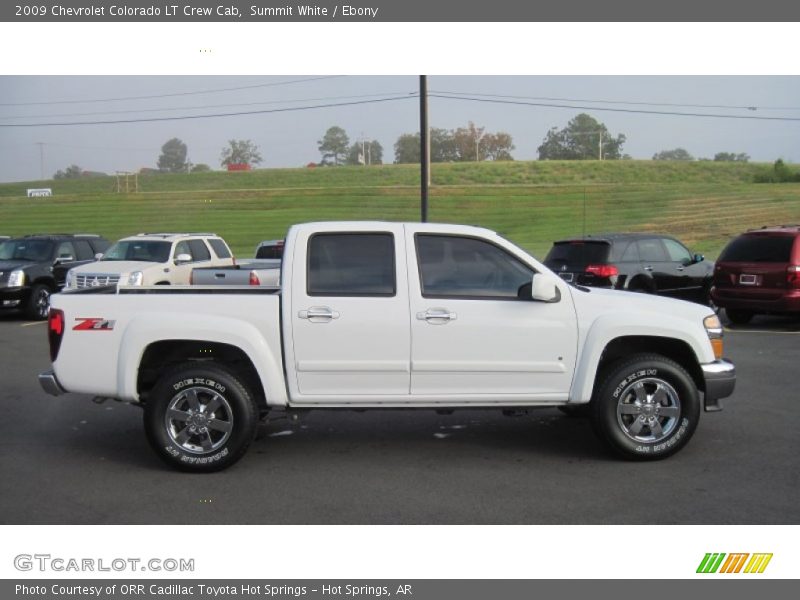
(351, 264)
(460, 267)
(677, 252)
(65, 250)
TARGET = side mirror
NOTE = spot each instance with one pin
(65, 258)
(183, 258)
(98, 256)
(698, 258)
(544, 289)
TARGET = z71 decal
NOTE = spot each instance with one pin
(93, 324)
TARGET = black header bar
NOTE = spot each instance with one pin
(401, 11)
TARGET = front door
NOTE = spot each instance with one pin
(349, 315)
(474, 335)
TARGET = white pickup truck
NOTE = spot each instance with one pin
(390, 315)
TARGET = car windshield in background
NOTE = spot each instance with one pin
(577, 253)
(33, 250)
(144, 251)
(759, 248)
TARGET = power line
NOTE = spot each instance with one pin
(619, 110)
(174, 94)
(631, 102)
(151, 110)
(212, 116)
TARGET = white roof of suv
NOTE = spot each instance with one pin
(168, 236)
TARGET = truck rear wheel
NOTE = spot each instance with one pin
(200, 417)
(646, 408)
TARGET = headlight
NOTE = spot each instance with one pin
(16, 278)
(70, 282)
(714, 330)
(134, 278)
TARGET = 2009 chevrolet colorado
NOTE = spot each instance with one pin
(374, 315)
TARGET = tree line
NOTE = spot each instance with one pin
(583, 138)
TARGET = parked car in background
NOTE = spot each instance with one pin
(637, 262)
(35, 266)
(153, 259)
(270, 249)
(3, 238)
(256, 272)
(758, 272)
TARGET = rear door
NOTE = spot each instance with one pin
(349, 314)
(655, 261)
(472, 336)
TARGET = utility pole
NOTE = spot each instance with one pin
(41, 158)
(425, 147)
(600, 142)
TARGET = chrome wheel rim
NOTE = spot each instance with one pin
(42, 302)
(648, 410)
(199, 420)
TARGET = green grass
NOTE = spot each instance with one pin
(533, 203)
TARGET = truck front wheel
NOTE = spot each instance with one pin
(200, 417)
(646, 408)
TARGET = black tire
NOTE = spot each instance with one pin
(195, 440)
(647, 407)
(38, 305)
(739, 316)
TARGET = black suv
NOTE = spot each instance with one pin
(639, 262)
(35, 266)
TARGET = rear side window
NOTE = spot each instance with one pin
(83, 249)
(458, 267)
(630, 253)
(351, 264)
(199, 250)
(652, 250)
(577, 253)
(759, 248)
(219, 247)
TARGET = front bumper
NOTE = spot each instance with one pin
(13, 297)
(720, 379)
(50, 384)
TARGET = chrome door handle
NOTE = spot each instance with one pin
(680, 268)
(318, 314)
(437, 316)
(648, 268)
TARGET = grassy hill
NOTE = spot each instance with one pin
(533, 203)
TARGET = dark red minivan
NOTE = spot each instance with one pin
(759, 273)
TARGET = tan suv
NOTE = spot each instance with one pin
(152, 259)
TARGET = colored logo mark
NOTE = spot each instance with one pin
(719, 562)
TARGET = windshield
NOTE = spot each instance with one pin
(759, 248)
(33, 250)
(140, 250)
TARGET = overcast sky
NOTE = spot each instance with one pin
(289, 139)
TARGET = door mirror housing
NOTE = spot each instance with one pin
(98, 256)
(65, 258)
(698, 258)
(544, 289)
(183, 258)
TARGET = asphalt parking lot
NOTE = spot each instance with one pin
(67, 460)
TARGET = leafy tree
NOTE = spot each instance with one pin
(406, 148)
(580, 140)
(173, 157)
(676, 154)
(467, 141)
(239, 152)
(370, 153)
(71, 172)
(497, 146)
(334, 145)
(731, 157)
(200, 168)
